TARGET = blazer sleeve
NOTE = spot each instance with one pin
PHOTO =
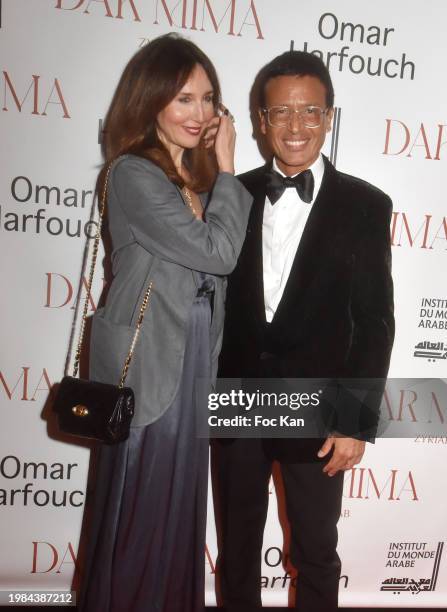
(372, 296)
(360, 395)
(164, 226)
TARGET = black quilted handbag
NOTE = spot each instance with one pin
(94, 410)
(90, 409)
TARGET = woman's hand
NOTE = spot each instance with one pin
(220, 132)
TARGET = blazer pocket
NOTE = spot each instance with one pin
(109, 347)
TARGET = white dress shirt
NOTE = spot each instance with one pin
(282, 228)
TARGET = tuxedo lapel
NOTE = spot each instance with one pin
(311, 251)
(251, 266)
(253, 250)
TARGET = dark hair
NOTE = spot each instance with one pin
(150, 81)
(294, 63)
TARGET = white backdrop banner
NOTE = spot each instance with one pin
(60, 63)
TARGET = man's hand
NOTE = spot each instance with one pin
(347, 453)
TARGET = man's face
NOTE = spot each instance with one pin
(294, 145)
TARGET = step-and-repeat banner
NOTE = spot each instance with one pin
(60, 62)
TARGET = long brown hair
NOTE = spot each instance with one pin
(150, 81)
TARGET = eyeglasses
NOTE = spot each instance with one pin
(279, 116)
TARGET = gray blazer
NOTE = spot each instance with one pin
(156, 238)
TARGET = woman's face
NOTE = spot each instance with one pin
(181, 123)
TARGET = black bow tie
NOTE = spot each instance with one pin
(276, 185)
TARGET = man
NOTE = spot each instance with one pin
(311, 297)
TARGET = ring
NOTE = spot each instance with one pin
(223, 110)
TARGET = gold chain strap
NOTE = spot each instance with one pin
(89, 288)
(136, 334)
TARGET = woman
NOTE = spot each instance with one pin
(146, 546)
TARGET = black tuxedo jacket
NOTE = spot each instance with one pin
(335, 318)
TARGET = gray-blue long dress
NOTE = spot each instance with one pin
(146, 543)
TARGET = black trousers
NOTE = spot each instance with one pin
(313, 502)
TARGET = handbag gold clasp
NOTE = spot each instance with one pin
(80, 410)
